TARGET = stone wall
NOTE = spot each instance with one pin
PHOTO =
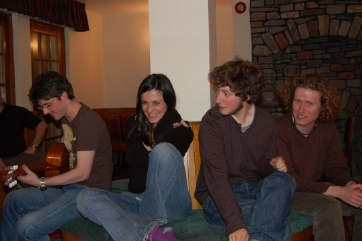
(292, 37)
(357, 153)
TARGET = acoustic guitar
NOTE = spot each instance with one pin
(56, 162)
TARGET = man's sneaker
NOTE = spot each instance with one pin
(161, 234)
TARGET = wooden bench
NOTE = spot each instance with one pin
(192, 228)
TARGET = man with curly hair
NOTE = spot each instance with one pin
(242, 184)
(308, 141)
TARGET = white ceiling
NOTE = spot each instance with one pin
(111, 7)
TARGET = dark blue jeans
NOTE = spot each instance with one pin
(265, 206)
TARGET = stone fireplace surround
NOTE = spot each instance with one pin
(293, 37)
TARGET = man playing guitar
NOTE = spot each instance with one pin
(33, 213)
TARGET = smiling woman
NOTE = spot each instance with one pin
(158, 193)
(153, 106)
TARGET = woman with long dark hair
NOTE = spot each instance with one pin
(157, 140)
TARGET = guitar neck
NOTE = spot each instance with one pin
(57, 160)
(37, 168)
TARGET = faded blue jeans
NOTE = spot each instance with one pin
(265, 206)
(128, 216)
(31, 214)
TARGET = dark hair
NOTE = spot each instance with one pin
(242, 76)
(158, 82)
(49, 85)
(330, 98)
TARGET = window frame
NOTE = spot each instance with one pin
(8, 53)
(36, 26)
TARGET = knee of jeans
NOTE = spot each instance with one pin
(13, 196)
(85, 197)
(24, 226)
(283, 179)
(165, 150)
(163, 147)
(12, 199)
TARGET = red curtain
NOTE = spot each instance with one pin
(63, 12)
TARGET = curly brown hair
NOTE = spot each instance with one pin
(330, 98)
(242, 76)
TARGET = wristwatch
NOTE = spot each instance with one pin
(33, 145)
(43, 185)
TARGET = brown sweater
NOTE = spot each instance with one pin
(309, 158)
(230, 157)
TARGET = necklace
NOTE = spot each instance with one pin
(307, 134)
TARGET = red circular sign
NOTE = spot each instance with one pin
(240, 7)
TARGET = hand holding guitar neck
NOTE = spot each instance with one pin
(9, 175)
(57, 160)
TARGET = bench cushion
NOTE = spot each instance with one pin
(192, 228)
(195, 227)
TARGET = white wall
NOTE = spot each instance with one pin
(22, 59)
(224, 34)
(106, 64)
(126, 57)
(182, 44)
(242, 32)
(84, 54)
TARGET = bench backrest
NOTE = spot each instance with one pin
(193, 163)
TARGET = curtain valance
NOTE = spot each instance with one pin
(63, 12)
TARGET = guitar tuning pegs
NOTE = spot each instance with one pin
(13, 183)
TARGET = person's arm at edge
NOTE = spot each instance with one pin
(40, 131)
(351, 193)
(337, 172)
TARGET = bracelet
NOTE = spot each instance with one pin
(43, 185)
(33, 145)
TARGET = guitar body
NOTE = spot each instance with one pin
(56, 162)
(57, 155)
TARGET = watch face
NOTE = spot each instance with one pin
(43, 185)
(43, 188)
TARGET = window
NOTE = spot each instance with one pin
(7, 79)
(47, 53)
(47, 48)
